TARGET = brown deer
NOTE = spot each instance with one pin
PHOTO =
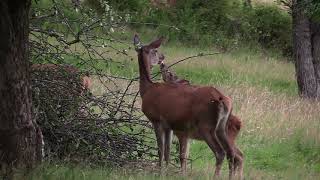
(233, 125)
(85, 78)
(198, 112)
(168, 75)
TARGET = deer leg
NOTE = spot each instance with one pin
(216, 149)
(184, 153)
(168, 139)
(238, 156)
(238, 162)
(221, 135)
(160, 141)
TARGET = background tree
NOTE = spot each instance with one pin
(315, 36)
(20, 139)
(306, 40)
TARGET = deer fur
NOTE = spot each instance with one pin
(233, 125)
(198, 112)
(170, 76)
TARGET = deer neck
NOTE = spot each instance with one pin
(144, 70)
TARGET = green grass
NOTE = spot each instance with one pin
(279, 157)
(223, 75)
(78, 172)
(294, 157)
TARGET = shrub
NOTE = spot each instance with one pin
(223, 23)
(75, 130)
(271, 27)
(197, 22)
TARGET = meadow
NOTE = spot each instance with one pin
(280, 137)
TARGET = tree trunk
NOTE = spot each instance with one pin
(303, 52)
(171, 3)
(20, 137)
(248, 3)
(315, 29)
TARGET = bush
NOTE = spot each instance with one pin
(100, 128)
(73, 127)
(193, 22)
(223, 23)
(271, 27)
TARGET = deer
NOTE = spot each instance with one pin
(168, 75)
(189, 111)
(85, 78)
(234, 123)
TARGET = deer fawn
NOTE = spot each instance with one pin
(198, 112)
(171, 77)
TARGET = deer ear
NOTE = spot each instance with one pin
(136, 42)
(156, 44)
(161, 57)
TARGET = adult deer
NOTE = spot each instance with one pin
(233, 124)
(198, 112)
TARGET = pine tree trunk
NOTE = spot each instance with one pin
(20, 137)
(303, 52)
(315, 28)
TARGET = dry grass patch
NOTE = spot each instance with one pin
(275, 116)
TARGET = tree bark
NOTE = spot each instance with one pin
(171, 3)
(303, 52)
(315, 29)
(20, 137)
(248, 3)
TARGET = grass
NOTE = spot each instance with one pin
(281, 133)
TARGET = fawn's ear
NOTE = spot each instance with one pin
(161, 59)
(156, 44)
(136, 42)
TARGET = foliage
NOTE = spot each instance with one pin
(129, 6)
(312, 9)
(223, 23)
(194, 21)
(121, 6)
(97, 128)
(271, 26)
(64, 95)
(75, 131)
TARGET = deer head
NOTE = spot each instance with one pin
(168, 75)
(150, 51)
